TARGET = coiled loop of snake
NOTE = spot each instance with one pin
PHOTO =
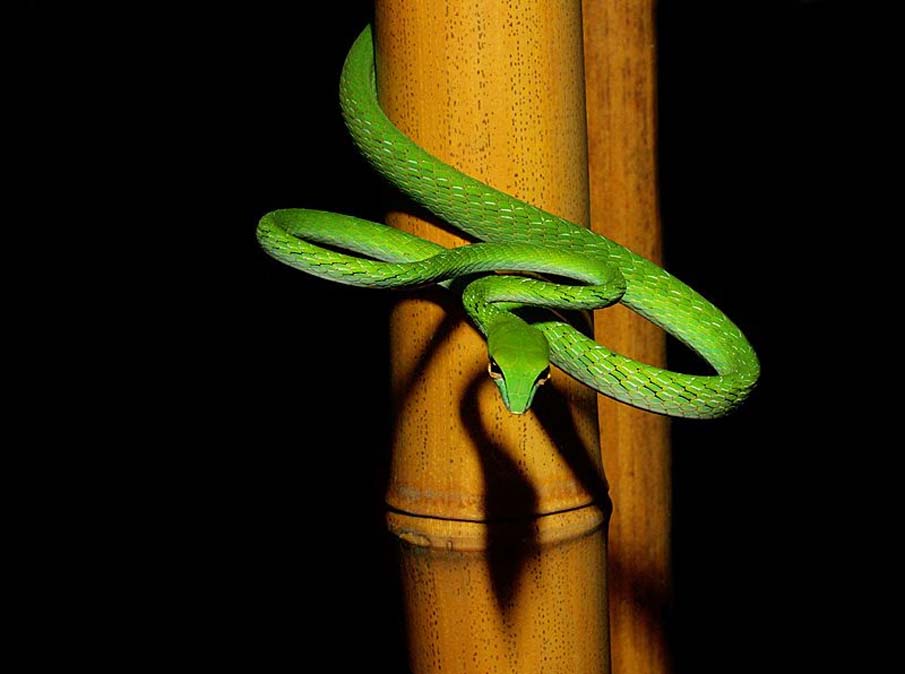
(520, 237)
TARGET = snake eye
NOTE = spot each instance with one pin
(493, 369)
(544, 376)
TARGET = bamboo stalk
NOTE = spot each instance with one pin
(501, 519)
(620, 65)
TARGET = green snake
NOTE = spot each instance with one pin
(514, 237)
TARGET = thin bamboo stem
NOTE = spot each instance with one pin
(501, 519)
(620, 65)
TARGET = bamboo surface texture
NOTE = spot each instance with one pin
(501, 519)
(620, 65)
(496, 89)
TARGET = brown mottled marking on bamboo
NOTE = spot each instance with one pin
(496, 88)
(620, 69)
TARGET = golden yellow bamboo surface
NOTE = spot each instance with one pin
(480, 600)
(501, 519)
(495, 88)
(621, 96)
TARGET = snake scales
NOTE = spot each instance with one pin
(517, 237)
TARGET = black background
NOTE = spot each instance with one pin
(289, 497)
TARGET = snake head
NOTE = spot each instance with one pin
(519, 363)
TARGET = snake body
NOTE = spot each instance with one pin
(518, 237)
